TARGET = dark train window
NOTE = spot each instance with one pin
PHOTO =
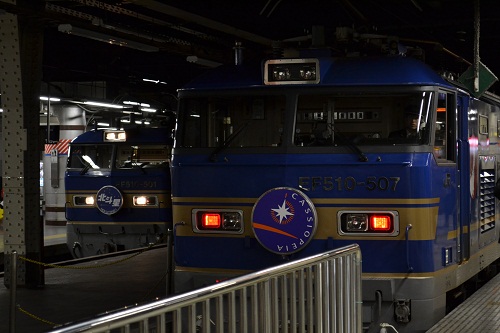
(445, 136)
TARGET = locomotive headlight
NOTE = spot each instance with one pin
(308, 74)
(115, 136)
(357, 222)
(232, 221)
(83, 200)
(291, 71)
(143, 200)
(213, 220)
(281, 74)
(368, 223)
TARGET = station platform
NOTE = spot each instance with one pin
(54, 241)
(479, 313)
(52, 236)
(75, 292)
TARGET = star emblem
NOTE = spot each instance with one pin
(282, 212)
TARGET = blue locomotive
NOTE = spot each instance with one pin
(296, 156)
(117, 186)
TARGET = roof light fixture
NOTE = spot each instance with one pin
(52, 99)
(106, 105)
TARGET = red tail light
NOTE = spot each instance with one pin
(380, 223)
(211, 221)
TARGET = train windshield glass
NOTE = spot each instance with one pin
(236, 121)
(363, 119)
(142, 156)
(90, 157)
(324, 119)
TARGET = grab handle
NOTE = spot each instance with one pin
(408, 227)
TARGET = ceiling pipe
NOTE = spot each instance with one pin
(200, 20)
(106, 38)
(202, 62)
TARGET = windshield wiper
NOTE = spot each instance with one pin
(85, 169)
(86, 165)
(351, 145)
(227, 142)
(361, 155)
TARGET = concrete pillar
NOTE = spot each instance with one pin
(21, 49)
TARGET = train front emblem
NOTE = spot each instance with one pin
(284, 220)
(109, 200)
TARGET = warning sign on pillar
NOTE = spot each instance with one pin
(53, 155)
(54, 168)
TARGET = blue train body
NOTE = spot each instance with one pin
(294, 157)
(118, 190)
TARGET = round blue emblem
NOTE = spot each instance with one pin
(284, 220)
(109, 200)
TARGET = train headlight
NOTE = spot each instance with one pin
(357, 222)
(281, 74)
(366, 223)
(144, 200)
(232, 221)
(291, 71)
(213, 220)
(83, 200)
(115, 136)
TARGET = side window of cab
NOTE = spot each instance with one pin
(445, 128)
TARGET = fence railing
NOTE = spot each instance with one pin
(321, 293)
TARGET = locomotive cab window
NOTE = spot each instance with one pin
(142, 156)
(232, 121)
(90, 157)
(445, 128)
(399, 118)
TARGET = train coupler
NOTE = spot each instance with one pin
(402, 310)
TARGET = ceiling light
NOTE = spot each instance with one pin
(52, 99)
(148, 110)
(154, 81)
(102, 37)
(146, 105)
(131, 103)
(106, 105)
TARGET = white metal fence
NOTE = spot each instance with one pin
(321, 293)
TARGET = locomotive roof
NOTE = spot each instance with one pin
(355, 71)
(136, 136)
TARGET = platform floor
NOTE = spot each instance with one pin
(479, 313)
(83, 290)
(52, 235)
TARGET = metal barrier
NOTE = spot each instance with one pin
(321, 293)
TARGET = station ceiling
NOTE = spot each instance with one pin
(152, 39)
